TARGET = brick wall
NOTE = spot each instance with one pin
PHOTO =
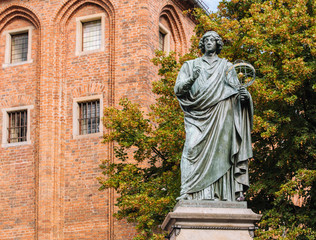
(48, 187)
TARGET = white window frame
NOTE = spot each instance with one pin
(165, 31)
(5, 125)
(8, 45)
(75, 116)
(79, 21)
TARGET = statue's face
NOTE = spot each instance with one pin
(210, 44)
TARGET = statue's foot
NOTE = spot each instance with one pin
(240, 198)
(183, 197)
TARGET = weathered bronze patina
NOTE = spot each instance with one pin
(218, 122)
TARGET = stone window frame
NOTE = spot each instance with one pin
(79, 21)
(167, 33)
(75, 116)
(5, 125)
(8, 44)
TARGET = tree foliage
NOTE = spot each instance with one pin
(148, 151)
(278, 38)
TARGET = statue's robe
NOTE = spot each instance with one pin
(214, 163)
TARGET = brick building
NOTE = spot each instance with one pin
(62, 61)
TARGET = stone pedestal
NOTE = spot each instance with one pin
(208, 220)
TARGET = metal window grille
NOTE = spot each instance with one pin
(19, 47)
(91, 35)
(17, 130)
(161, 41)
(89, 117)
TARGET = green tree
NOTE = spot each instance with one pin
(148, 151)
(278, 38)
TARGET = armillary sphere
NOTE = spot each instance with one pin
(244, 71)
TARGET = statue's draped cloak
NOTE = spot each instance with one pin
(217, 125)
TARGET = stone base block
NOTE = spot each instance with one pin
(208, 220)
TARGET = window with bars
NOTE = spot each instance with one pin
(162, 41)
(89, 117)
(91, 35)
(17, 127)
(19, 47)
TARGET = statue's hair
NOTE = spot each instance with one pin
(219, 41)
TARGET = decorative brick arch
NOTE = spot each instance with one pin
(177, 30)
(16, 100)
(85, 90)
(13, 11)
(64, 14)
(61, 19)
(70, 7)
(8, 14)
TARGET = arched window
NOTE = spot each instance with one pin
(171, 34)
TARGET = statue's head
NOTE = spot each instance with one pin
(218, 39)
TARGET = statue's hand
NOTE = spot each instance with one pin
(196, 73)
(243, 94)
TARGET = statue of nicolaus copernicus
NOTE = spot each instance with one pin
(218, 122)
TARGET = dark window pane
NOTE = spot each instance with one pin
(161, 41)
(89, 117)
(17, 130)
(91, 35)
(19, 47)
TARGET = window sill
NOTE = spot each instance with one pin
(6, 65)
(99, 134)
(6, 145)
(82, 53)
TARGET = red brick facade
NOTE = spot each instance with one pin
(48, 186)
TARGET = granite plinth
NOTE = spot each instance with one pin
(206, 220)
(209, 204)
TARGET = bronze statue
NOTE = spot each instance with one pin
(218, 121)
